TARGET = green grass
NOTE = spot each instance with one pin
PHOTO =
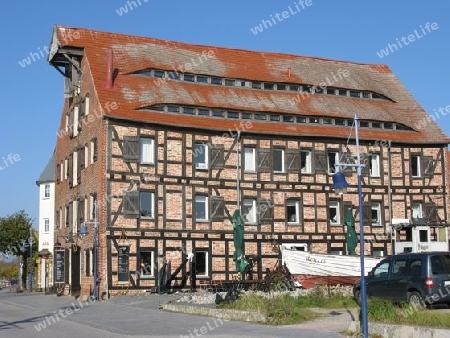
(283, 310)
(387, 312)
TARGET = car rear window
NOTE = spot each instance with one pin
(440, 264)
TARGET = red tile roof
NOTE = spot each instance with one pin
(132, 53)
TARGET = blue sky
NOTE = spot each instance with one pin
(351, 30)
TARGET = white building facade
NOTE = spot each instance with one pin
(46, 184)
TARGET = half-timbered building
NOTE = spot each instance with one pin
(160, 142)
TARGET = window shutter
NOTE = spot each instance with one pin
(81, 157)
(264, 160)
(58, 173)
(80, 212)
(94, 151)
(217, 208)
(217, 157)
(346, 158)
(265, 210)
(320, 163)
(367, 209)
(430, 211)
(70, 170)
(131, 148)
(365, 159)
(71, 122)
(428, 166)
(71, 215)
(292, 161)
(131, 204)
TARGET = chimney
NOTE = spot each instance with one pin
(109, 71)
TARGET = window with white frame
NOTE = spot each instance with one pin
(146, 204)
(46, 225)
(278, 160)
(375, 165)
(293, 211)
(201, 263)
(146, 264)
(376, 213)
(201, 208)
(334, 212)
(416, 210)
(201, 156)
(86, 155)
(147, 150)
(47, 191)
(250, 159)
(333, 158)
(249, 210)
(415, 166)
(88, 257)
(305, 161)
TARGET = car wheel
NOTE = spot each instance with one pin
(415, 299)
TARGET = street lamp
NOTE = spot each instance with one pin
(84, 231)
(31, 258)
(340, 186)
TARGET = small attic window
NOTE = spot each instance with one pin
(301, 119)
(246, 116)
(331, 91)
(377, 96)
(306, 89)
(145, 72)
(259, 116)
(388, 125)
(342, 92)
(229, 82)
(339, 122)
(159, 73)
(174, 76)
(327, 120)
(376, 125)
(188, 110)
(364, 124)
(203, 112)
(218, 113)
(367, 95)
(319, 90)
(173, 109)
(240, 83)
(269, 86)
(216, 81)
(314, 120)
(288, 118)
(233, 115)
(274, 117)
(401, 127)
(256, 85)
(294, 88)
(189, 77)
(281, 86)
(355, 93)
(202, 79)
(158, 107)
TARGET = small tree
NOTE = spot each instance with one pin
(15, 239)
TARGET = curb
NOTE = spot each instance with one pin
(399, 331)
(228, 314)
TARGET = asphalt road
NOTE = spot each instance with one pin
(36, 315)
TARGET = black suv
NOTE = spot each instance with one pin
(417, 278)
